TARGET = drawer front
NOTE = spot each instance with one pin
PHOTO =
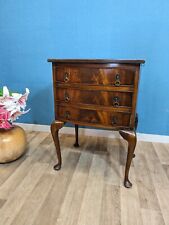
(102, 98)
(93, 117)
(117, 76)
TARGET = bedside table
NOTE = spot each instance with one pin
(96, 93)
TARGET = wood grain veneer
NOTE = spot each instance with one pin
(98, 93)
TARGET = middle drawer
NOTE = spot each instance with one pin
(101, 98)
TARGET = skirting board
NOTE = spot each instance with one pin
(95, 132)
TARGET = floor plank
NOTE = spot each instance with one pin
(2, 202)
(91, 204)
(130, 204)
(110, 206)
(162, 152)
(75, 192)
(89, 187)
(152, 217)
(146, 190)
(50, 209)
(30, 208)
(163, 197)
(15, 201)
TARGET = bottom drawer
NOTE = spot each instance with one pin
(93, 117)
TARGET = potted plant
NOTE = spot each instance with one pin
(12, 137)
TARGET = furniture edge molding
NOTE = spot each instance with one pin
(95, 132)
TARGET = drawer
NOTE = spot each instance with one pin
(93, 117)
(102, 98)
(117, 76)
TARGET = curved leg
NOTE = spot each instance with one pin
(76, 144)
(136, 124)
(136, 121)
(55, 127)
(130, 137)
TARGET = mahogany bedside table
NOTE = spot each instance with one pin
(96, 93)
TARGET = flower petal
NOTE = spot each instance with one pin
(5, 91)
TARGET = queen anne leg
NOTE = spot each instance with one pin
(55, 127)
(76, 144)
(130, 137)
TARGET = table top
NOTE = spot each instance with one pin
(100, 61)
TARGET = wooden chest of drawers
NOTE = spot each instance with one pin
(96, 93)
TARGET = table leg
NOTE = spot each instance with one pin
(76, 144)
(55, 127)
(130, 137)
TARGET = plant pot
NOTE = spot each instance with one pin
(12, 144)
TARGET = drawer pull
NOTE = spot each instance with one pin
(116, 101)
(117, 80)
(66, 77)
(66, 97)
(114, 120)
(67, 115)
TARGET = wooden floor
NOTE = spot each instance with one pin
(89, 188)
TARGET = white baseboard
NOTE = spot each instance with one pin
(95, 132)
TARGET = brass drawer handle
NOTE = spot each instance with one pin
(66, 97)
(66, 77)
(117, 80)
(67, 115)
(114, 120)
(116, 101)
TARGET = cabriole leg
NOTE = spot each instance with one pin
(130, 137)
(55, 127)
(136, 124)
(76, 144)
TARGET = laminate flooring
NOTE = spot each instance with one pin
(88, 190)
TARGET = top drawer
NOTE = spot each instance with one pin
(116, 76)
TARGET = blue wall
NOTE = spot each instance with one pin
(32, 31)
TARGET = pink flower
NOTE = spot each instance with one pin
(11, 107)
(22, 100)
(4, 114)
(15, 115)
(4, 117)
(5, 125)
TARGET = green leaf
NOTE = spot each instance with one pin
(1, 93)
